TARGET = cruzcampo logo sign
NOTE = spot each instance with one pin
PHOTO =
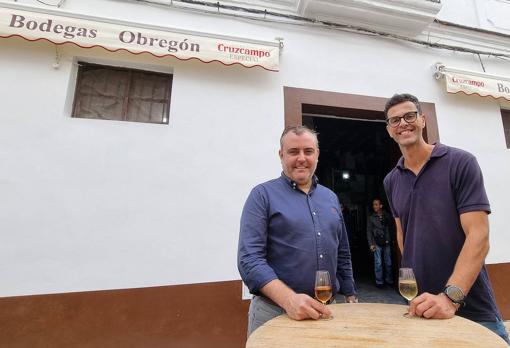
(476, 84)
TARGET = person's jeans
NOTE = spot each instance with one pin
(381, 253)
(497, 327)
(261, 310)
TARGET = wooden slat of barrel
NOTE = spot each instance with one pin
(372, 325)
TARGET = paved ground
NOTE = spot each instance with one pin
(368, 292)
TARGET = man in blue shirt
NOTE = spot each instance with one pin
(438, 199)
(290, 228)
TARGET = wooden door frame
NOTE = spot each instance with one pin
(328, 103)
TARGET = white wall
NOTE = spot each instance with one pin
(461, 12)
(89, 204)
(484, 14)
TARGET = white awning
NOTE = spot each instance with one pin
(471, 82)
(61, 27)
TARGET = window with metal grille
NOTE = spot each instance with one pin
(122, 94)
(505, 116)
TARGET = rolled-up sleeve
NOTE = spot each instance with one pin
(344, 264)
(469, 188)
(252, 248)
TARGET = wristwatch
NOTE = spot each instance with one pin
(455, 294)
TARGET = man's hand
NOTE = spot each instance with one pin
(351, 299)
(432, 306)
(372, 248)
(302, 306)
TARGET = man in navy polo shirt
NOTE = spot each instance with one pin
(438, 199)
(291, 227)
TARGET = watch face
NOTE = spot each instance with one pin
(454, 293)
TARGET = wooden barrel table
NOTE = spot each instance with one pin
(372, 325)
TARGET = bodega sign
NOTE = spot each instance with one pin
(468, 82)
(88, 32)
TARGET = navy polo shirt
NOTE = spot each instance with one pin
(288, 234)
(428, 206)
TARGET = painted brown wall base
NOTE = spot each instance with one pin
(208, 315)
(499, 273)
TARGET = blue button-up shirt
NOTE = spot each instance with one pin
(287, 234)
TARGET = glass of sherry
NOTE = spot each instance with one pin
(323, 288)
(407, 284)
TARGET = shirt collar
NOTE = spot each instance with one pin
(294, 184)
(439, 150)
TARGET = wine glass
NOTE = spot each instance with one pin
(323, 288)
(407, 284)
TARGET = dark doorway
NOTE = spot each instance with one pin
(355, 156)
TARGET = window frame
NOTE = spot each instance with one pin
(505, 119)
(125, 104)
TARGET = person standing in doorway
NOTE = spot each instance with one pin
(379, 242)
(437, 196)
(292, 227)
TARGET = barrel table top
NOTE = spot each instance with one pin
(372, 325)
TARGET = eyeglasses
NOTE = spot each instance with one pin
(409, 117)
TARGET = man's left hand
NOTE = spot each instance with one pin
(351, 299)
(432, 306)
